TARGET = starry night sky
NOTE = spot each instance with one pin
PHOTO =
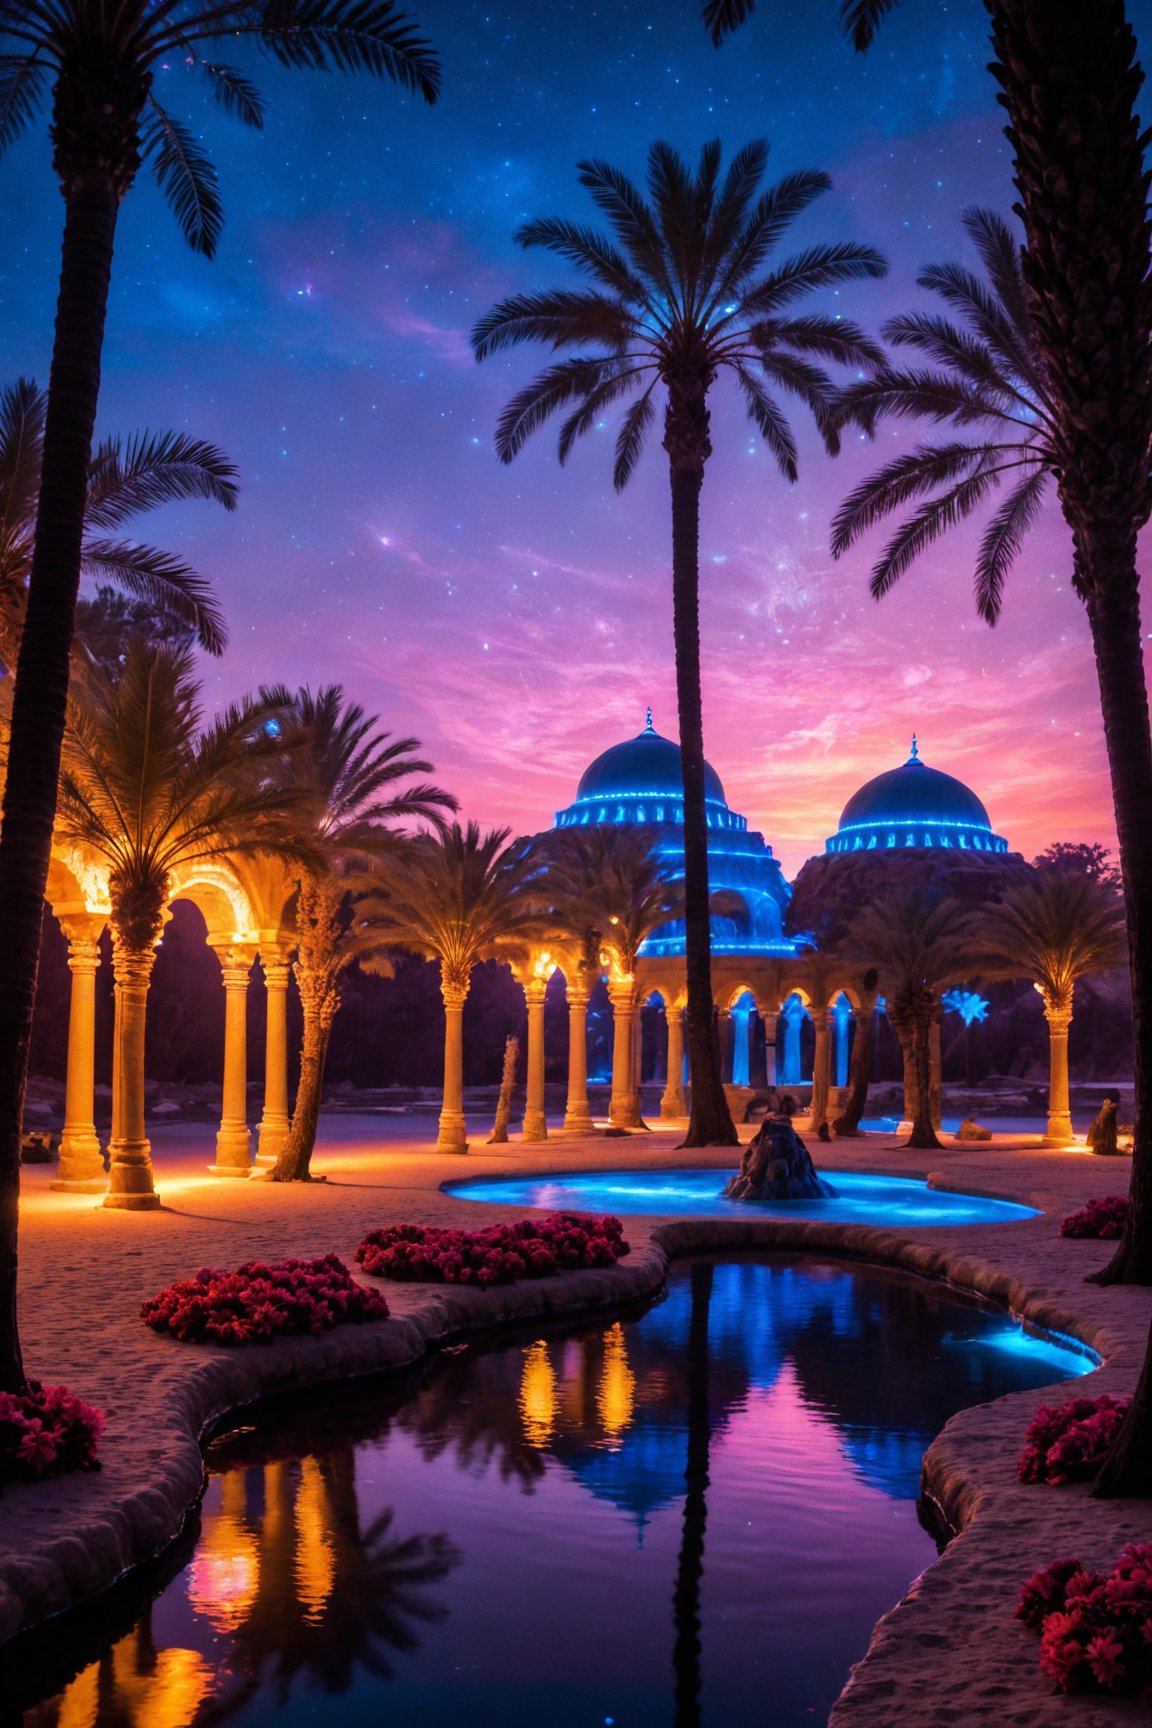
(518, 620)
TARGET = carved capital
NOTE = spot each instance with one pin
(1058, 1015)
(535, 990)
(235, 964)
(131, 967)
(454, 996)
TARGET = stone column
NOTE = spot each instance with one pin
(272, 1129)
(725, 1040)
(741, 1046)
(535, 1126)
(793, 1014)
(818, 1107)
(622, 995)
(842, 1019)
(233, 1142)
(130, 1185)
(770, 1049)
(1059, 1129)
(453, 1136)
(81, 1168)
(674, 1103)
(577, 1115)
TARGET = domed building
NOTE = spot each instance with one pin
(639, 782)
(915, 807)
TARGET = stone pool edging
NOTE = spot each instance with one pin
(955, 1620)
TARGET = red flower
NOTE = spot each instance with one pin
(496, 1254)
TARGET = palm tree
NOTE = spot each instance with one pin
(458, 896)
(683, 291)
(610, 888)
(1069, 80)
(125, 477)
(348, 775)
(847, 1124)
(147, 791)
(920, 941)
(1055, 930)
(97, 60)
(990, 380)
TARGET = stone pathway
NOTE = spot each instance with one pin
(950, 1652)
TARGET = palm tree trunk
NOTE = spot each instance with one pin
(1070, 80)
(847, 1124)
(41, 692)
(710, 1121)
(690, 1568)
(1114, 614)
(320, 999)
(923, 1136)
(1126, 1473)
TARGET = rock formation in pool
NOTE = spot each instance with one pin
(776, 1166)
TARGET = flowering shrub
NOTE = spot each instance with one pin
(1067, 1443)
(45, 1431)
(497, 1254)
(1095, 1630)
(258, 1302)
(1104, 1219)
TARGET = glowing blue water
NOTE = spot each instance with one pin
(879, 1200)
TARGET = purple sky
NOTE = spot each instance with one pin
(519, 620)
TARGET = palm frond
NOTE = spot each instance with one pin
(812, 386)
(908, 476)
(1003, 539)
(721, 17)
(164, 581)
(556, 317)
(948, 345)
(551, 389)
(817, 267)
(630, 439)
(22, 408)
(769, 418)
(963, 290)
(860, 20)
(822, 333)
(23, 88)
(586, 249)
(371, 36)
(928, 524)
(632, 222)
(186, 178)
(935, 396)
(235, 93)
(773, 212)
(154, 468)
(584, 418)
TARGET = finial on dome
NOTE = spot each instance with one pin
(648, 726)
(915, 756)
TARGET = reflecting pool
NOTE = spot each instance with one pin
(690, 1518)
(880, 1200)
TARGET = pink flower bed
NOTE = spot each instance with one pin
(1103, 1219)
(497, 1254)
(258, 1302)
(1095, 1629)
(1067, 1443)
(46, 1431)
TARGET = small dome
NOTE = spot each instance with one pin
(915, 805)
(646, 766)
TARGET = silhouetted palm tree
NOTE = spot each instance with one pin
(1069, 79)
(125, 477)
(684, 292)
(147, 791)
(920, 940)
(97, 61)
(348, 774)
(1055, 930)
(688, 1649)
(459, 897)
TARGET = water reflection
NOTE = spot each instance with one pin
(724, 1483)
(295, 1586)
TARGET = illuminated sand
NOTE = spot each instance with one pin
(949, 1653)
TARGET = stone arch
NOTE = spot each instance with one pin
(214, 888)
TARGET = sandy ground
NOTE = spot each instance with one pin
(950, 1652)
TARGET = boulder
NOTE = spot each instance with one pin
(776, 1166)
(970, 1130)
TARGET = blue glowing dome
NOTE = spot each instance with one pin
(915, 806)
(647, 766)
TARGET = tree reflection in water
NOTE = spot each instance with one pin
(687, 1650)
(299, 1589)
